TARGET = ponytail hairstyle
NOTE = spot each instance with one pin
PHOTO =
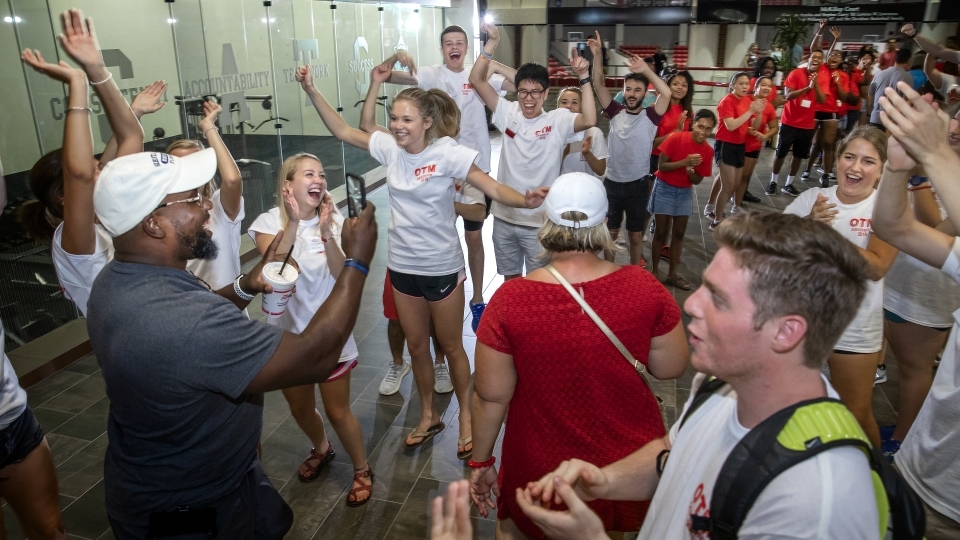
(573, 89)
(41, 217)
(756, 84)
(438, 106)
(193, 145)
(733, 80)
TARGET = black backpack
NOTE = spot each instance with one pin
(787, 438)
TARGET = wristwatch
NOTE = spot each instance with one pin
(585, 81)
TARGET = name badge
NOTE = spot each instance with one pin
(509, 133)
(316, 245)
(805, 103)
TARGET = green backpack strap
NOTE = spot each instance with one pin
(788, 437)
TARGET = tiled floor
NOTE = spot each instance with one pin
(72, 408)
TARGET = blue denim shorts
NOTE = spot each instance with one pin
(668, 200)
(20, 438)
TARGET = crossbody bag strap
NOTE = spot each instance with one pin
(603, 326)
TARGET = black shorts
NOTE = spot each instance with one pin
(654, 163)
(630, 197)
(432, 288)
(729, 153)
(752, 155)
(853, 118)
(20, 438)
(477, 225)
(794, 140)
(820, 116)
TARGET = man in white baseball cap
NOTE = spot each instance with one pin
(185, 369)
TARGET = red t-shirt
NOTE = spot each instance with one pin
(569, 397)
(733, 107)
(679, 145)
(853, 87)
(832, 103)
(669, 123)
(768, 114)
(798, 112)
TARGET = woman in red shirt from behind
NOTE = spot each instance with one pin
(736, 111)
(565, 390)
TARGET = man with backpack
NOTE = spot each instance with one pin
(763, 447)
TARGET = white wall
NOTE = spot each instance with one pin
(703, 44)
(535, 40)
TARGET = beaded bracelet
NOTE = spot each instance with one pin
(481, 464)
(110, 76)
(241, 294)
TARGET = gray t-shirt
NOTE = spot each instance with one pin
(176, 359)
(886, 79)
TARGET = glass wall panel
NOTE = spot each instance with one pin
(238, 52)
(358, 34)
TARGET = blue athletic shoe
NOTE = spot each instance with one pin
(477, 311)
(886, 432)
(890, 448)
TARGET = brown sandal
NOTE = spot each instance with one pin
(358, 474)
(321, 459)
(678, 282)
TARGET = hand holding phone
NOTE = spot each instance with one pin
(356, 195)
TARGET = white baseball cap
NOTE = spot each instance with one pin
(577, 192)
(131, 187)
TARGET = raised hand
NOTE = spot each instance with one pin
(835, 31)
(898, 160)
(326, 215)
(62, 72)
(148, 101)
(681, 121)
(595, 45)
(920, 127)
(450, 518)
(533, 199)
(823, 210)
(304, 76)
(381, 73)
(587, 144)
(290, 205)
(579, 64)
(493, 34)
(211, 110)
(693, 160)
(79, 39)
(406, 61)
(636, 64)
(908, 30)
(822, 25)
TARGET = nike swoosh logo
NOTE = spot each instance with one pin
(443, 290)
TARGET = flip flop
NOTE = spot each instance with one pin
(462, 443)
(678, 282)
(425, 436)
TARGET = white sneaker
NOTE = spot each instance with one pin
(441, 379)
(391, 381)
(881, 376)
(709, 209)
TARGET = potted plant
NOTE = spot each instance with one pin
(788, 31)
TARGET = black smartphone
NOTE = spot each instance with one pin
(356, 195)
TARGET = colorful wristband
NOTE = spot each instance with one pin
(246, 297)
(481, 464)
(484, 54)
